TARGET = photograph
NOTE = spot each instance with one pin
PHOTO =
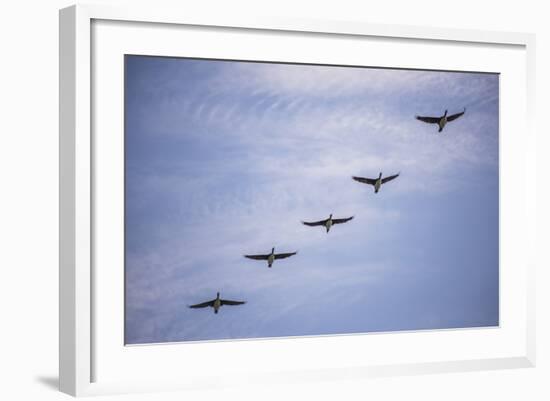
(269, 200)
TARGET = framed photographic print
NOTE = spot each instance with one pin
(290, 200)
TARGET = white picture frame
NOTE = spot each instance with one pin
(78, 225)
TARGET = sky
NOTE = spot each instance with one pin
(226, 158)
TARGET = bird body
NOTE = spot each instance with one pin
(442, 122)
(328, 224)
(217, 303)
(378, 184)
(271, 258)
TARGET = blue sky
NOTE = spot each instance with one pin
(227, 158)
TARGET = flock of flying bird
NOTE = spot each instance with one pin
(217, 302)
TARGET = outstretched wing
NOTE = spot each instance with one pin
(389, 178)
(228, 302)
(203, 305)
(455, 116)
(370, 181)
(284, 255)
(257, 257)
(340, 221)
(315, 223)
(429, 120)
